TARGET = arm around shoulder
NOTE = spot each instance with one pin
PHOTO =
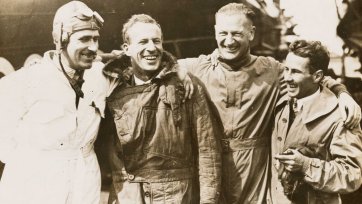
(206, 132)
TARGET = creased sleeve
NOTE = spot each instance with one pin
(189, 64)
(333, 85)
(342, 174)
(12, 108)
(206, 129)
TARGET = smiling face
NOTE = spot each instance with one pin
(300, 82)
(144, 47)
(233, 35)
(81, 49)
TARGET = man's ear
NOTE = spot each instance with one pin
(125, 48)
(318, 76)
(252, 33)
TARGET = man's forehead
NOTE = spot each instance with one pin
(294, 61)
(144, 30)
(91, 33)
(235, 21)
(232, 17)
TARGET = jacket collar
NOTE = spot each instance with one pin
(245, 62)
(321, 105)
(121, 67)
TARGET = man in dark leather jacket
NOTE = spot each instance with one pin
(166, 149)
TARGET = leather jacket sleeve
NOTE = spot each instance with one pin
(206, 129)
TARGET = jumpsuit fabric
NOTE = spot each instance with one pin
(45, 141)
(166, 150)
(335, 164)
(245, 99)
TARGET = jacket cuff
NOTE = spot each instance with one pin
(306, 164)
(338, 89)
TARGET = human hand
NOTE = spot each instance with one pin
(350, 110)
(112, 55)
(187, 82)
(292, 159)
(283, 86)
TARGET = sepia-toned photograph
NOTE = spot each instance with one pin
(180, 102)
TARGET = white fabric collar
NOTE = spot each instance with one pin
(139, 81)
(302, 101)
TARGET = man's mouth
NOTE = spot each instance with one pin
(292, 86)
(231, 48)
(151, 58)
(89, 55)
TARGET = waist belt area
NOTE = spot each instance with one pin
(150, 176)
(232, 145)
(84, 152)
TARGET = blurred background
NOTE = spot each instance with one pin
(26, 26)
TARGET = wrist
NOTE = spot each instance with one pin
(306, 164)
(343, 92)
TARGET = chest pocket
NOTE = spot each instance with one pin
(151, 130)
(45, 111)
(162, 136)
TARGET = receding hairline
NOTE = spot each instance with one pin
(236, 9)
(130, 29)
(138, 18)
(239, 15)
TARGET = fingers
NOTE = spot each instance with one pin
(283, 86)
(187, 91)
(353, 119)
(189, 88)
(357, 117)
(191, 92)
(343, 114)
(117, 52)
(350, 111)
(349, 119)
(283, 158)
(290, 168)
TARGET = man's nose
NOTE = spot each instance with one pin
(93, 46)
(287, 76)
(229, 39)
(151, 46)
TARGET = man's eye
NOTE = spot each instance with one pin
(238, 34)
(157, 41)
(222, 33)
(85, 39)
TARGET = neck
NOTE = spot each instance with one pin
(145, 75)
(239, 62)
(312, 92)
(62, 62)
(65, 61)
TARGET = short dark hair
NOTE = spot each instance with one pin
(142, 18)
(317, 54)
(236, 8)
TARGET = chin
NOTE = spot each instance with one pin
(228, 56)
(292, 95)
(88, 66)
(151, 68)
